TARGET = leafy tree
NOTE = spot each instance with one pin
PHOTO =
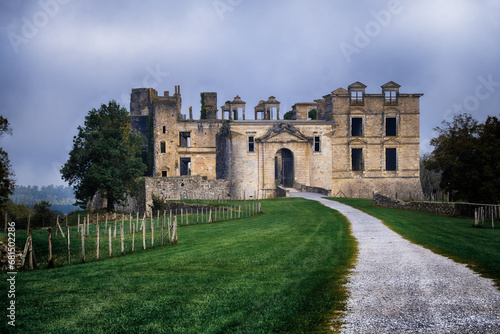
(313, 114)
(466, 155)
(428, 178)
(288, 115)
(203, 112)
(43, 215)
(489, 161)
(6, 174)
(105, 158)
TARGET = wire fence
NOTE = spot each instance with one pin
(96, 237)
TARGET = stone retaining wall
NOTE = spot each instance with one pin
(444, 208)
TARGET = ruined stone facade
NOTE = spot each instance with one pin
(358, 143)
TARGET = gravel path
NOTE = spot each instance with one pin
(399, 287)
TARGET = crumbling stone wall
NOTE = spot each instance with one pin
(184, 187)
(448, 208)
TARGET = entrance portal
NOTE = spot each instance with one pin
(283, 168)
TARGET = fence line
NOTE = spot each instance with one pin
(483, 215)
(55, 248)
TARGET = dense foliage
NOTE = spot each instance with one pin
(105, 158)
(466, 155)
(429, 179)
(6, 173)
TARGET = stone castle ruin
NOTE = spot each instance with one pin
(354, 144)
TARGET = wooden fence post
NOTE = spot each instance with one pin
(152, 231)
(122, 237)
(97, 242)
(114, 232)
(109, 242)
(88, 224)
(30, 250)
(106, 225)
(51, 263)
(68, 245)
(59, 226)
(175, 231)
(130, 224)
(83, 247)
(144, 234)
(161, 232)
(133, 237)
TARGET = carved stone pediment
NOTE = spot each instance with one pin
(357, 141)
(284, 132)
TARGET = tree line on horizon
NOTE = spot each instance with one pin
(54, 194)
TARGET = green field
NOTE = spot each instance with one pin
(280, 271)
(453, 237)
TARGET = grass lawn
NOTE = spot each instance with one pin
(453, 237)
(281, 271)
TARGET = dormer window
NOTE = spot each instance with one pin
(357, 93)
(391, 93)
(357, 97)
(390, 97)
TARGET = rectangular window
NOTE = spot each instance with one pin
(391, 126)
(317, 144)
(357, 159)
(391, 159)
(164, 129)
(185, 139)
(357, 97)
(185, 166)
(162, 147)
(251, 144)
(356, 127)
(163, 173)
(391, 97)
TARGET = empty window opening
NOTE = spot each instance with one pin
(317, 144)
(235, 114)
(357, 127)
(185, 139)
(391, 126)
(391, 159)
(391, 97)
(185, 166)
(163, 173)
(164, 129)
(357, 159)
(162, 147)
(251, 144)
(357, 97)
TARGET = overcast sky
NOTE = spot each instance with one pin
(61, 58)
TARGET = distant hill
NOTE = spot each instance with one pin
(62, 198)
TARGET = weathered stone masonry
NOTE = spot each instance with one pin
(358, 144)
